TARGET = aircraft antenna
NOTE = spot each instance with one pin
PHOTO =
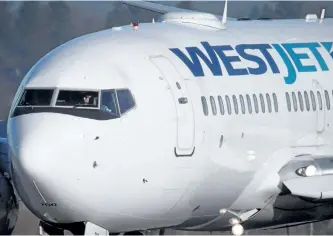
(225, 13)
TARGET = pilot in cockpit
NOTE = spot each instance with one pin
(86, 99)
(90, 100)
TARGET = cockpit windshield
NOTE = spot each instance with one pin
(88, 99)
(100, 105)
(117, 101)
(36, 97)
(109, 102)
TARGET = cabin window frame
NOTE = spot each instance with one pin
(228, 102)
(288, 101)
(256, 104)
(294, 99)
(275, 102)
(249, 103)
(313, 100)
(307, 101)
(269, 103)
(213, 105)
(328, 101)
(204, 105)
(221, 105)
(54, 93)
(301, 101)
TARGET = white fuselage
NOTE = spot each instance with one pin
(165, 163)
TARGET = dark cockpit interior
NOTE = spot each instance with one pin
(77, 99)
(34, 97)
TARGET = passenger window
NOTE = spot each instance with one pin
(288, 102)
(262, 103)
(109, 102)
(81, 99)
(307, 101)
(269, 104)
(212, 101)
(204, 105)
(36, 97)
(256, 105)
(249, 105)
(125, 100)
(328, 103)
(300, 99)
(313, 100)
(235, 103)
(320, 101)
(221, 105)
(294, 101)
(241, 99)
(227, 100)
(276, 107)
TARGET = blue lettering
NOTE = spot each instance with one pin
(227, 60)
(297, 57)
(194, 63)
(291, 59)
(264, 50)
(291, 78)
(261, 69)
(319, 58)
(327, 46)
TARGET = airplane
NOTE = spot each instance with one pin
(191, 122)
(9, 206)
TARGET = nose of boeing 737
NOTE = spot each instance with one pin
(67, 169)
(35, 145)
(45, 149)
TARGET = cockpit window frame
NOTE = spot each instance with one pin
(115, 92)
(54, 102)
(35, 88)
(121, 114)
(86, 112)
(118, 106)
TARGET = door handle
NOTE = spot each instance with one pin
(182, 100)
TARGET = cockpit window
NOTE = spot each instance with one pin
(87, 99)
(117, 101)
(36, 97)
(125, 100)
(109, 102)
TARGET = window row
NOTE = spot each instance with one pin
(240, 104)
(115, 101)
(312, 100)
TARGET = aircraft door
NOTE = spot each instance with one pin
(321, 106)
(184, 109)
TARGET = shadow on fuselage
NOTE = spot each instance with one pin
(288, 210)
(9, 206)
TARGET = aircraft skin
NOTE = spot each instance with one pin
(165, 163)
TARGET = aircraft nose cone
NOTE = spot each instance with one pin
(30, 147)
(28, 156)
(25, 175)
(38, 141)
(33, 144)
(45, 149)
